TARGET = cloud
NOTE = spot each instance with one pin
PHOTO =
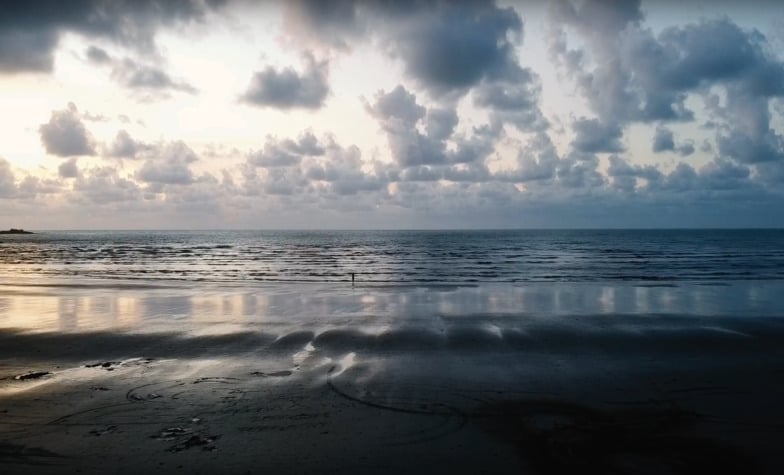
(748, 136)
(624, 175)
(513, 98)
(30, 31)
(422, 173)
(68, 169)
(287, 152)
(628, 74)
(149, 81)
(398, 104)
(307, 170)
(537, 161)
(449, 47)
(104, 185)
(287, 88)
(664, 141)
(724, 175)
(124, 146)
(24, 50)
(752, 148)
(33, 186)
(319, 23)
(580, 170)
(594, 136)
(399, 115)
(7, 180)
(169, 166)
(342, 172)
(146, 78)
(65, 135)
(97, 55)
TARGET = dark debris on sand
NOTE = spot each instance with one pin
(32, 375)
(104, 431)
(186, 439)
(274, 374)
(107, 365)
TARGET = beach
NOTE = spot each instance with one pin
(313, 378)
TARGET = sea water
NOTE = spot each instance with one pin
(395, 257)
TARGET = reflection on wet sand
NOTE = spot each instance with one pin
(541, 379)
(89, 309)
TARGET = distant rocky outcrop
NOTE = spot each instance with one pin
(16, 231)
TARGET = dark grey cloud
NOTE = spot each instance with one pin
(425, 35)
(399, 104)
(452, 46)
(440, 123)
(624, 175)
(752, 148)
(747, 135)
(686, 149)
(334, 23)
(30, 31)
(594, 136)
(97, 55)
(684, 178)
(65, 135)
(170, 166)
(476, 147)
(26, 50)
(513, 98)
(598, 19)
(724, 174)
(286, 88)
(664, 141)
(68, 169)
(580, 170)
(447, 48)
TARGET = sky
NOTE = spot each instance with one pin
(202, 114)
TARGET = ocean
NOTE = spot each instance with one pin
(397, 257)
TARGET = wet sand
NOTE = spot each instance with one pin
(541, 379)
